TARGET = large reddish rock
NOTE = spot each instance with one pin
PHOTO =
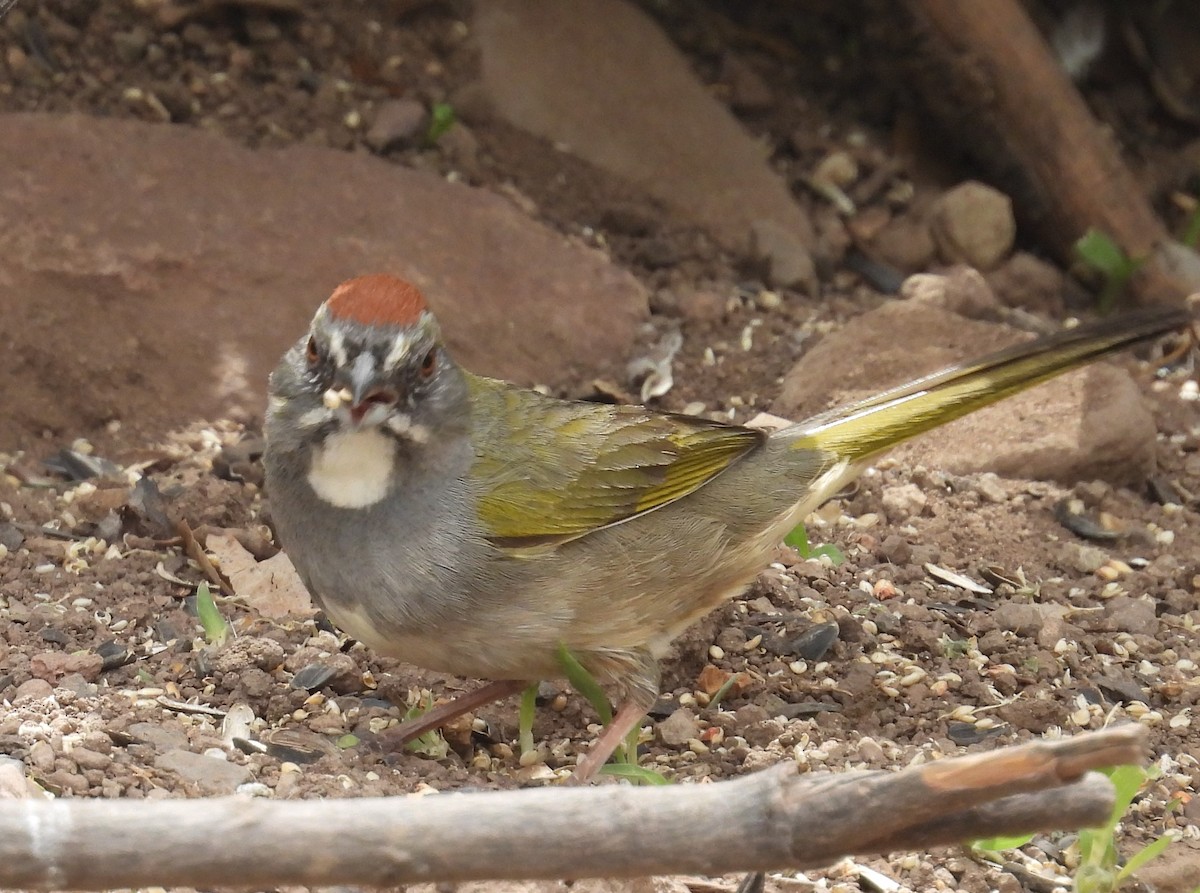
(602, 81)
(1085, 425)
(153, 275)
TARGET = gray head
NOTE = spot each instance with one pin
(370, 385)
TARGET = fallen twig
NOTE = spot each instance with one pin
(771, 819)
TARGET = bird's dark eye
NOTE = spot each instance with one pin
(311, 352)
(429, 364)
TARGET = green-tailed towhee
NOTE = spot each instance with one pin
(466, 525)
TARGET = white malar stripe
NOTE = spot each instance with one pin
(353, 469)
(403, 426)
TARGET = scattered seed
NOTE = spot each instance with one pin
(954, 579)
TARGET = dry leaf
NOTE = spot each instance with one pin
(271, 587)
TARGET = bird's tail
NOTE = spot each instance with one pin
(862, 429)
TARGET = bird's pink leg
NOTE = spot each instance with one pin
(395, 738)
(627, 717)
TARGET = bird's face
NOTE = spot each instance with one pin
(369, 385)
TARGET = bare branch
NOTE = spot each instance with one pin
(771, 819)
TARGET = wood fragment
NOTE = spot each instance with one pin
(196, 552)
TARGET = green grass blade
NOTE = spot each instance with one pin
(634, 773)
(216, 628)
(1146, 854)
(996, 844)
(525, 722)
(441, 119)
(583, 682)
(798, 540)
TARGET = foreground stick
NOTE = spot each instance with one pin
(771, 819)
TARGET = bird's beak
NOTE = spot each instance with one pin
(361, 381)
(364, 388)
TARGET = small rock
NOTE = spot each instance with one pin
(41, 756)
(398, 123)
(88, 759)
(789, 264)
(248, 651)
(53, 665)
(678, 728)
(1122, 688)
(1031, 715)
(347, 677)
(903, 502)
(870, 751)
(161, 737)
(961, 289)
(13, 784)
(211, 775)
(748, 714)
(1054, 627)
(74, 682)
(1137, 616)
(32, 690)
(63, 780)
(1022, 618)
(988, 486)
(11, 536)
(1032, 284)
(974, 224)
(760, 734)
(1085, 559)
(462, 147)
(1093, 493)
(906, 243)
(895, 549)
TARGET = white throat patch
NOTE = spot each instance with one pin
(353, 469)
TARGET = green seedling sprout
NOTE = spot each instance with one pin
(721, 692)
(441, 119)
(216, 628)
(1101, 253)
(525, 718)
(798, 540)
(988, 846)
(1191, 237)
(431, 744)
(624, 763)
(1098, 870)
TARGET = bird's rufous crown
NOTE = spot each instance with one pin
(378, 299)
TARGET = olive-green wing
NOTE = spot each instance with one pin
(548, 470)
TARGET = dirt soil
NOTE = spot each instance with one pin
(110, 688)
